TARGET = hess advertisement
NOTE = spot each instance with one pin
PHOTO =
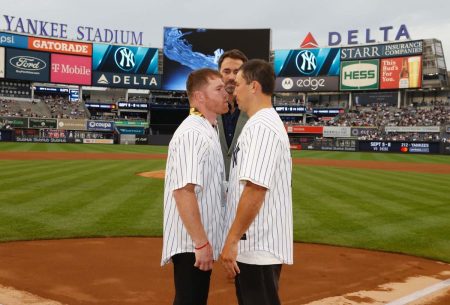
(359, 75)
(68, 69)
(401, 72)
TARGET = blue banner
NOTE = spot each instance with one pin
(307, 62)
(100, 126)
(125, 59)
(12, 40)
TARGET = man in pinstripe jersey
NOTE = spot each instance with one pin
(259, 200)
(193, 190)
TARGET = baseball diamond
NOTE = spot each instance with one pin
(62, 194)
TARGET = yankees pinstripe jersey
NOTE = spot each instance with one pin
(262, 156)
(194, 157)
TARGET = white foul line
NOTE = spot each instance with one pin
(420, 293)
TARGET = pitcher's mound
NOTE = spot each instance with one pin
(154, 174)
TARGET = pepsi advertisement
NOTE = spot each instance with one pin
(189, 49)
(307, 62)
(125, 59)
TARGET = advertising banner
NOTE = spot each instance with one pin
(68, 69)
(400, 147)
(307, 62)
(131, 130)
(131, 123)
(122, 80)
(412, 129)
(10, 122)
(328, 111)
(42, 123)
(359, 75)
(335, 144)
(27, 65)
(336, 132)
(59, 46)
(307, 84)
(290, 109)
(98, 141)
(13, 40)
(72, 124)
(100, 126)
(125, 59)
(401, 72)
(305, 129)
(376, 97)
(6, 135)
(363, 131)
(2, 62)
(133, 105)
(188, 49)
(74, 95)
(407, 48)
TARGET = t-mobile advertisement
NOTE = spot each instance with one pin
(401, 72)
(69, 69)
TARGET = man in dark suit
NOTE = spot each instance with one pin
(231, 123)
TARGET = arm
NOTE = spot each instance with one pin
(249, 205)
(187, 206)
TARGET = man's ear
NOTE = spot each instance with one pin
(255, 86)
(199, 97)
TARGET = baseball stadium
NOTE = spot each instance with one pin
(84, 134)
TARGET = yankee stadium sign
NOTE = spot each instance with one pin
(59, 30)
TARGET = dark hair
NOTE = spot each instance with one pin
(200, 78)
(261, 71)
(234, 54)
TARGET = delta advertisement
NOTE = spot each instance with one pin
(59, 46)
(401, 72)
(359, 75)
(125, 67)
(307, 70)
(188, 49)
(69, 69)
(2, 62)
(27, 65)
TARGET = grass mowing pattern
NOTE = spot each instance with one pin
(373, 209)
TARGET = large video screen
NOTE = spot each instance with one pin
(125, 59)
(188, 49)
(307, 62)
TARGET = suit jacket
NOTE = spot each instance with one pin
(227, 152)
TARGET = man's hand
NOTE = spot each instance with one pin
(228, 258)
(204, 258)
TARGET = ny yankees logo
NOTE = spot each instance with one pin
(235, 152)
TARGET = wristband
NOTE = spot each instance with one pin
(201, 247)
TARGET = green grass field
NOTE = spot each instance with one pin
(402, 212)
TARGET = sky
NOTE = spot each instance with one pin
(289, 20)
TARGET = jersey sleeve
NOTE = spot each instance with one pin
(187, 157)
(260, 156)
